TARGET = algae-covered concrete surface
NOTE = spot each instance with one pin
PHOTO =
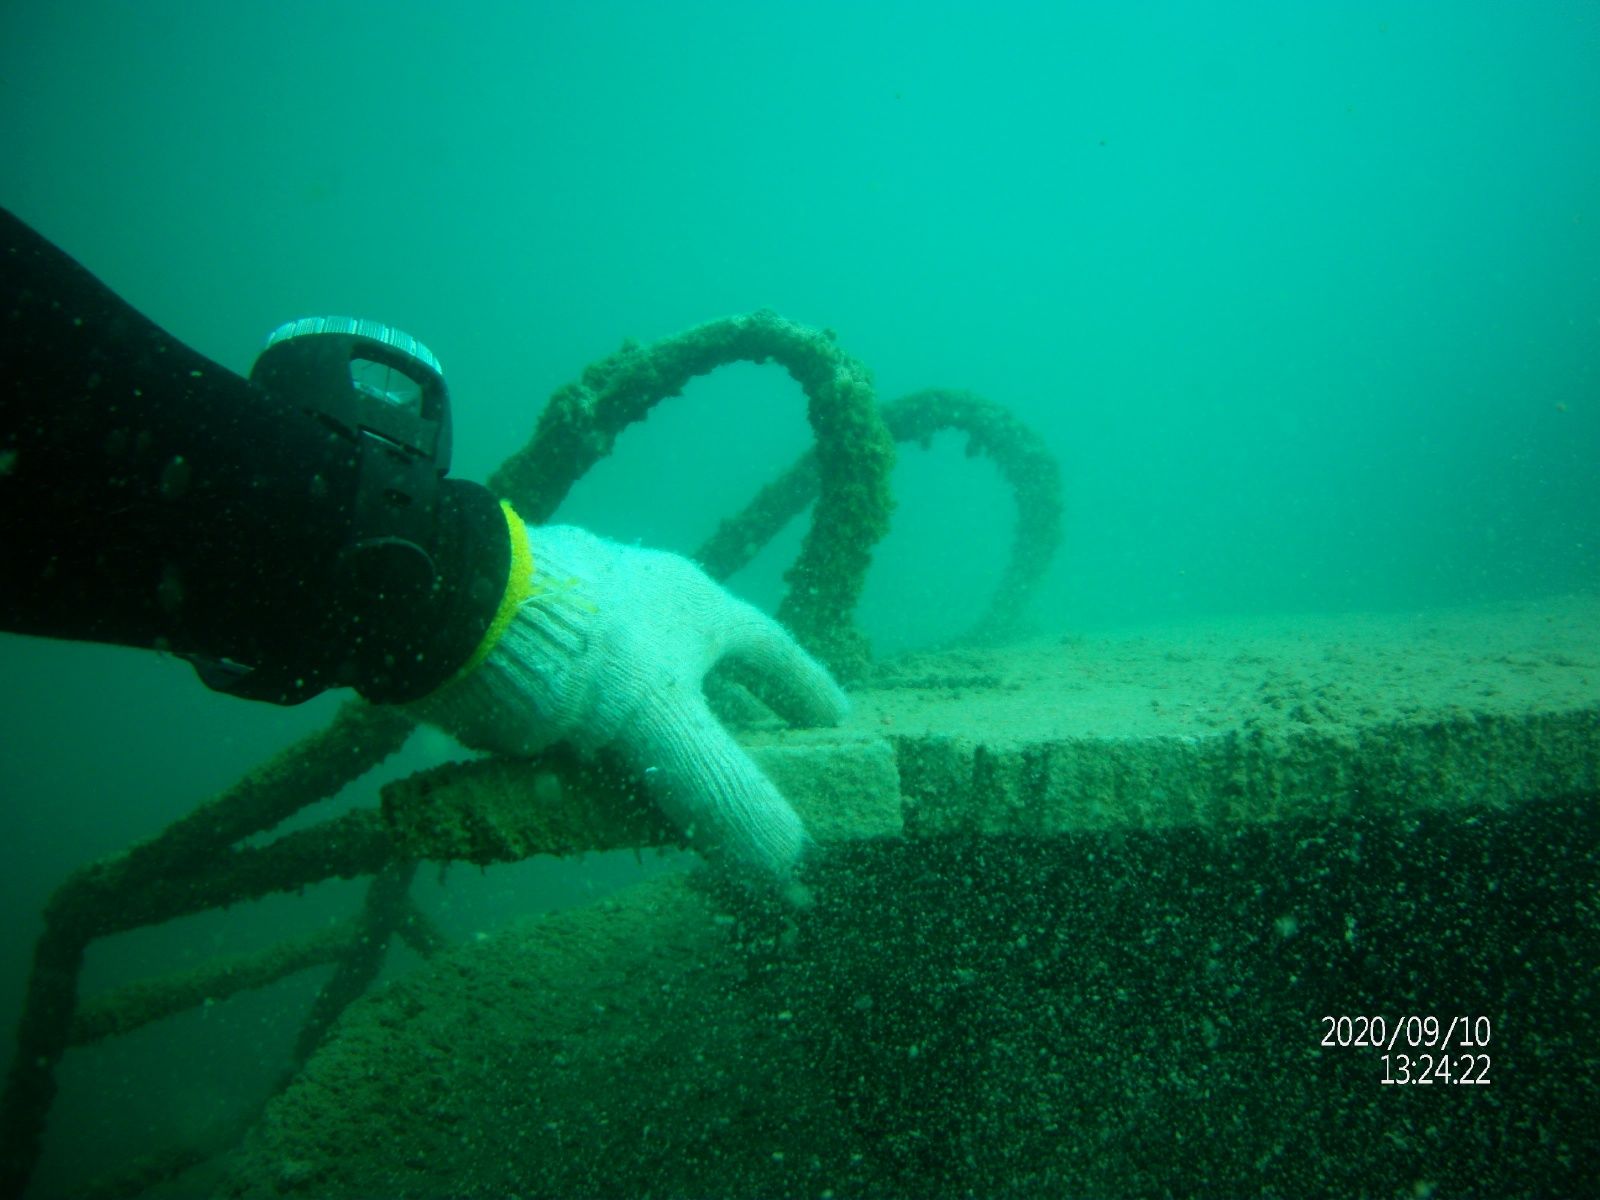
(1244, 720)
(1082, 912)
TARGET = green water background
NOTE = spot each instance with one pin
(1305, 297)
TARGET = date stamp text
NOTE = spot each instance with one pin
(1418, 1050)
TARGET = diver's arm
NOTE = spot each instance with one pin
(149, 497)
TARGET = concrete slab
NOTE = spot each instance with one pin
(1229, 720)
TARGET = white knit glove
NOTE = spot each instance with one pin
(611, 650)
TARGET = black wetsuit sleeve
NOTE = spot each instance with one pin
(149, 497)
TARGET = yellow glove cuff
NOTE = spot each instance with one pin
(519, 587)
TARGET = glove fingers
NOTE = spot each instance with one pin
(798, 688)
(708, 785)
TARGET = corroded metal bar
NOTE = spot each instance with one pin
(854, 455)
(1016, 450)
